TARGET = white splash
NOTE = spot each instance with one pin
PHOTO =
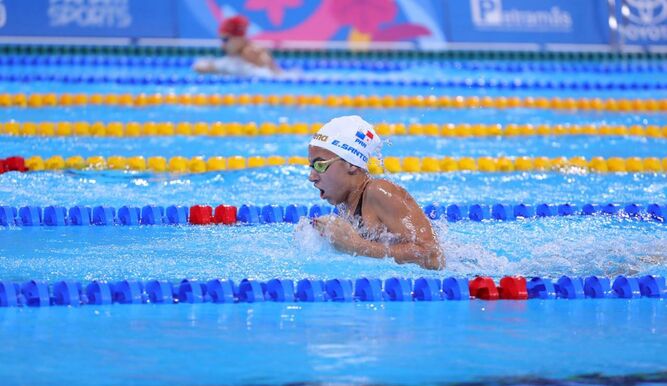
(308, 240)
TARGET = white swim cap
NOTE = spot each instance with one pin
(349, 137)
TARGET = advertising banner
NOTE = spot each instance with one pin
(642, 22)
(354, 21)
(539, 24)
(535, 21)
(88, 18)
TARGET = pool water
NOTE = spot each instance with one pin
(399, 343)
(505, 342)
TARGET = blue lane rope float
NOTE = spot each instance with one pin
(467, 83)
(377, 65)
(268, 214)
(35, 293)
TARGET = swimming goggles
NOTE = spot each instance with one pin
(321, 166)
(224, 39)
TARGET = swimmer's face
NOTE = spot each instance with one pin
(232, 44)
(332, 182)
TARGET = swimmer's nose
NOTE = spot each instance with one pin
(313, 176)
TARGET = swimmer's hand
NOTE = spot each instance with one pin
(340, 233)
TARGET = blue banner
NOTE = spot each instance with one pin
(88, 18)
(642, 22)
(422, 23)
(535, 21)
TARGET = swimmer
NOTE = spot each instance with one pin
(377, 218)
(237, 46)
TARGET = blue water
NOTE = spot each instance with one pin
(423, 343)
(289, 185)
(415, 343)
(399, 146)
(551, 247)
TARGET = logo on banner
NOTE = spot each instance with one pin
(646, 12)
(90, 13)
(487, 12)
(490, 14)
(644, 20)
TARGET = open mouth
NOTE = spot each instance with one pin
(320, 189)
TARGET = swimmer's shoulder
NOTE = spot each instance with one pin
(253, 49)
(380, 191)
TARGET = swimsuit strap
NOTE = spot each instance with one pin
(357, 211)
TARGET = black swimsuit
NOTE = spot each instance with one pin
(357, 212)
(357, 215)
(358, 220)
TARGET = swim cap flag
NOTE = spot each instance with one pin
(234, 26)
(349, 137)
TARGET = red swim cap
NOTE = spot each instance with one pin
(234, 26)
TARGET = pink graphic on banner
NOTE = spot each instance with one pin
(365, 16)
(215, 10)
(370, 20)
(400, 32)
(321, 25)
(274, 8)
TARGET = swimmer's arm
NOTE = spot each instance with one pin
(344, 237)
(273, 66)
(398, 211)
(427, 257)
(204, 66)
(259, 56)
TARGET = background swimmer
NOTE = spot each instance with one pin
(377, 217)
(237, 46)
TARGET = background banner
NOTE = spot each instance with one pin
(411, 23)
(534, 21)
(88, 18)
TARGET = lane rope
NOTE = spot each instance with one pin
(375, 64)
(178, 164)
(39, 100)
(36, 293)
(452, 82)
(151, 53)
(129, 215)
(250, 129)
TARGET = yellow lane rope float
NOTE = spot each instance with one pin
(358, 101)
(388, 165)
(137, 129)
